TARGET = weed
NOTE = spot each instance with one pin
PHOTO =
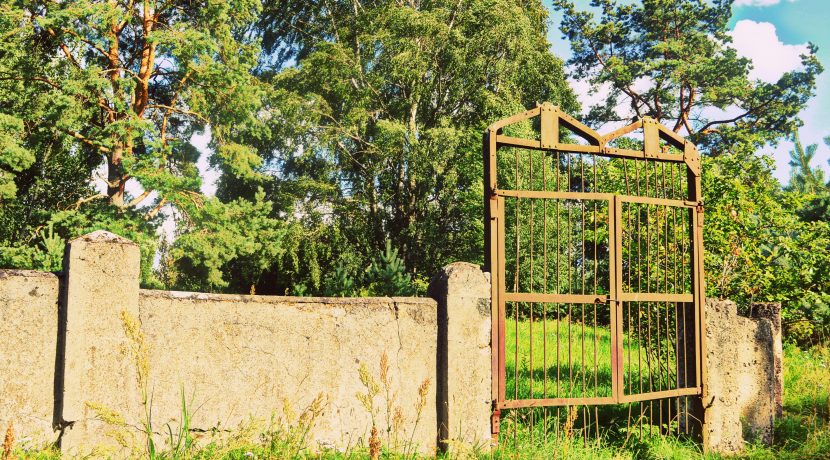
(374, 444)
(8, 442)
(287, 436)
(395, 419)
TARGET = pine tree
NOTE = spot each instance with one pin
(804, 177)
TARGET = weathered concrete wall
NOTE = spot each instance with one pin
(28, 343)
(238, 357)
(79, 353)
(742, 357)
(85, 358)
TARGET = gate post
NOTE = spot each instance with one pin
(463, 403)
(101, 289)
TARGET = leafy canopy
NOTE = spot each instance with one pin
(379, 109)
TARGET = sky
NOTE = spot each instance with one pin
(773, 33)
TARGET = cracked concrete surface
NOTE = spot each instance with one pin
(741, 358)
(241, 356)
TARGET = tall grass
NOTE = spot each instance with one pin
(802, 433)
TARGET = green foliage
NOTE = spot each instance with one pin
(14, 157)
(804, 177)
(89, 84)
(240, 234)
(671, 60)
(759, 248)
(340, 283)
(376, 121)
(387, 275)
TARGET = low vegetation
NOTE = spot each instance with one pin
(803, 432)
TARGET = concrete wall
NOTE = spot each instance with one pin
(83, 366)
(239, 357)
(28, 345)
(744, 359)
(84, 355)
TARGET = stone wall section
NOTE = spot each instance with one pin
(464, 358)
(242, 358)
(742, 357)
(28, 346)
(86, 357)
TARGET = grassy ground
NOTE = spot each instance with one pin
(803, 432)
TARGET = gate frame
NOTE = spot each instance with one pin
(551, 118)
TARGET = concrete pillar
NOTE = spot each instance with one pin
(740, 378)
(100, 373)
(463, 403)
(772, 312)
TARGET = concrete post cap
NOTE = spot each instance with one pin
(102, 236)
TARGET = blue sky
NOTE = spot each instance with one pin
(772, 33)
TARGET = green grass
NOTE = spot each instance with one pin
(573, 359)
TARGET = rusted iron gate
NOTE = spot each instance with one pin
(595, 250)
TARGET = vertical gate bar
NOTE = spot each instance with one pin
(639, 289)
(674, 290)
(612, 291)
(502, 286)
(666, 289)
(582, 276)
(493, 260)
(596, 282)
(516, 288)
(661, 349)
(532, 393)
(616, 290)
(657, 260)
(517, 225)
(648, 289)
(545, 290)
(693, 184)
(557, 291)
(570, 355)
(684, 306)
(628, 362)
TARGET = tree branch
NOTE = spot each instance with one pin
(705, 129)
(85, 140)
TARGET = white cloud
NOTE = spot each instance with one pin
(770, 57)
(761, 3)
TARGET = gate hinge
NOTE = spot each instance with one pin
(495, 420)
(699, 209)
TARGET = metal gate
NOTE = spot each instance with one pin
(594, 244)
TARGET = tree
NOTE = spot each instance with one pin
(671, 60)
(14, 157)
(804, 177)
(386, 102)
(124, 85)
